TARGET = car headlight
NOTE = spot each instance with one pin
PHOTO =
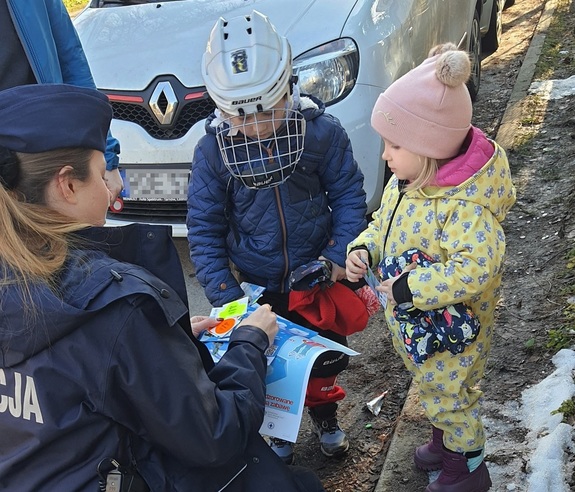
(328, 72)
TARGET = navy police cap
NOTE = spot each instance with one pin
(42, 117)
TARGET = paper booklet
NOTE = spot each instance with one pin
(290, 360)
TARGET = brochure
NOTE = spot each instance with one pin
(290, 360)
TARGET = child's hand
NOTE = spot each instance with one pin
(201, 324)
(264, 319)
(387, 288)
(387, 285)
(356, 265)
(337, 272)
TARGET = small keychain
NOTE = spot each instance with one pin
(120, 478)
(114, 478)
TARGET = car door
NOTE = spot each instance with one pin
(440, 21)
(460, 25)
(426, 27)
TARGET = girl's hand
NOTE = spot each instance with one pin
(201, 324)
(387, 285)
(387, 288)
(264, 319)
(356, 265)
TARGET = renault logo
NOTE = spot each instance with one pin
(163, 103)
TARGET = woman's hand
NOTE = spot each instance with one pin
(356, 265)
(201, 324)
(264, 319)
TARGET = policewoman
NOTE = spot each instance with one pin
(102, 384)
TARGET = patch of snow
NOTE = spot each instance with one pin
(554, 89)
(528, 448)
(549, 466)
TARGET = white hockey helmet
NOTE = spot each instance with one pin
(247, 65)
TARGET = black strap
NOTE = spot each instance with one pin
(132, 481)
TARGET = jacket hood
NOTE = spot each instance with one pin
(89, 281)
(51, 314)
(483, 177)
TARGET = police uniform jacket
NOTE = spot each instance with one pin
(103, 365)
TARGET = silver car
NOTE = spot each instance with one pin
(146, 57)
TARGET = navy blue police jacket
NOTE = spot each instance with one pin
(267, 233)
(104, 366)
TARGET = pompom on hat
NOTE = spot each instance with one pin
(42, 117)
(428, 111)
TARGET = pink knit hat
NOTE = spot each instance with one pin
(428, 110)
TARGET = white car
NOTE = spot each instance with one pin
(146, 57)
(491, 23)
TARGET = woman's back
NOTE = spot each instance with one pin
(98, 362)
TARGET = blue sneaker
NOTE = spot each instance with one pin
(332, 440)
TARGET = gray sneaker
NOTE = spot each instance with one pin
(333, 441)
(284, 449)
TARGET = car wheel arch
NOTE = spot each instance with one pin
(475, 55)
(492, 39)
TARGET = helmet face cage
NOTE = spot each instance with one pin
(262, 160)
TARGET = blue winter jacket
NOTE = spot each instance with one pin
(106, 367)
(54, 51)
(268, 233)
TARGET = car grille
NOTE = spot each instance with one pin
(152, 211)
(191, 104)
(157, 194)
(191, 112)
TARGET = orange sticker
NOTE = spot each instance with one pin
(224, 326)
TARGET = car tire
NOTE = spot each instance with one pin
(492, 38)
(475, 56)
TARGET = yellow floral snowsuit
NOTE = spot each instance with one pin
(460, 227)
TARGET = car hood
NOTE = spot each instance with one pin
(128, 46)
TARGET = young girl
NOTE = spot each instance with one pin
(101, 380)
(451, 190)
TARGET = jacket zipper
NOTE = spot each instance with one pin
(281, 215)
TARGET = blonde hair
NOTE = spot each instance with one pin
(35, 239)
(427, 174)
